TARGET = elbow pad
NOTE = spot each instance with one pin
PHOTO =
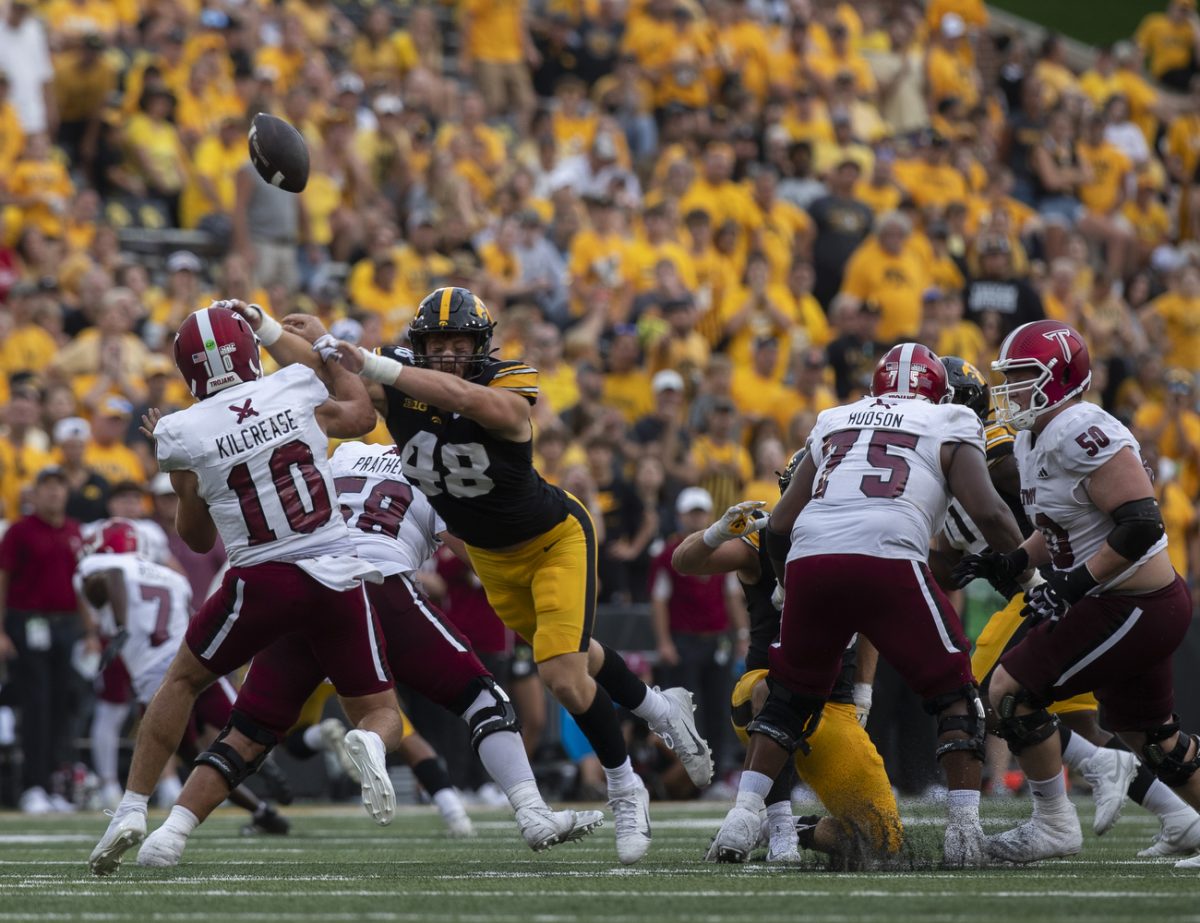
(1138, 526)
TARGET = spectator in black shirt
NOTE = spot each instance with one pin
(622, 512)
(997, 291)
(842, 222)
(855, 352)
(87, 491)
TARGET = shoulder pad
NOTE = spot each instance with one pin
(511, 375)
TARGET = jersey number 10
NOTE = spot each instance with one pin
(291, 455)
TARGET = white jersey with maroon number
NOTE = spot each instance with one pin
(260, 456)
(392, 524)
(159, 602)
(1054, 472)
(879, 488)
(960, 532)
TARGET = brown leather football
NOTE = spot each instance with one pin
(278, 153)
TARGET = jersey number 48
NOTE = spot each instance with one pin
(465, 464)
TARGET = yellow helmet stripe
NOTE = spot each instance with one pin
(444, 306)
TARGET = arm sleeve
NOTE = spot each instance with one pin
(962, 425)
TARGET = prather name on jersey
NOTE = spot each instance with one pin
(387, 465)
(251, 437)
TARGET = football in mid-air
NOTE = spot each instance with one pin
(278, 153)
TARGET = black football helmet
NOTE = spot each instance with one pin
(967, 385)
(455, 311)
(785, 478)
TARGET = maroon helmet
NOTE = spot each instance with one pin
(1057, 353)
(116, 536)
(910, 370)
(216, 349)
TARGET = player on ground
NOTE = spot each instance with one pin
(142, 609)
(861, 511)
(248, 460)
(1112, 610)
(462, 421)
(843, 767)
(1110, 769)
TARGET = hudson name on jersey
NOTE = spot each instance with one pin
(1054, 472)
(484, 487)
(260, 457)
(879, 488)
(392, 526)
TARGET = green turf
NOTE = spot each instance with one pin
(1096, 22)
(338, 866)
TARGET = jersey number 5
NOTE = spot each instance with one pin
(291, 456)
(466, 466)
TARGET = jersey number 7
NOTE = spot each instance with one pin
(838, 445)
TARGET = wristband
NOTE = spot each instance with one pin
(269, 329)
(863, 692)
(743, 634)
(1036, 579)
(712, 536)
(1074, 584)
(379, 368)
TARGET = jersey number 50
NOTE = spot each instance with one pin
(466, 465)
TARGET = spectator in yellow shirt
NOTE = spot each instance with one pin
(755, 310)
(1170, 42)
(496, 48)
(1175, 320)
(931, 179)
(156, 152)
(840, 58)
(600, 263)
(948, 72)
(885, 271)
(28, 346)
(626, 384)
(212, 181)
(24, 450)
(809, 393)
(657, 243)
(1178, 508)
(680, 346)
(723, 465)
(1173, 426)
(40, 187)
(382, 54)
(107, 454)
(556, 379)
(755, 387)
(1148, 216)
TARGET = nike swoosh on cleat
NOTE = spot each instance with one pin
(696, 740)
(552, 544)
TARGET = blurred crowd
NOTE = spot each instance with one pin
(702, 221)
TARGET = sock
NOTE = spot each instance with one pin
(107, 720)
(630, 692)
(181, 820)
(1140, 787)
(1049, 795)
(620, 778)
(296, 743)
(750, 800)
(781, 788)
(756, 783)
(130, 802)
(962, 804)
(1075, 747)
(312, 738)
(432, 776)
(503, 756)
(779, 812)
(448, 802)
(600, 726)
(1160, 799)
(525, 795)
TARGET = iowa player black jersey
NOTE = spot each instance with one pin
(764, 625)
(484, 487)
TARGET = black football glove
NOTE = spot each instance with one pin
(112, 650)
(401, 354)
(998, 569)
(1044, 603)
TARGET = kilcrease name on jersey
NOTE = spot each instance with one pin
(250, 437)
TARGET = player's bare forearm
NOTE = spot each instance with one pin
(118, 597)
(695, 557)
(971, 484)
(502, 412)
(350, 413)
(193, 521)
(291, 349)
(868, 661)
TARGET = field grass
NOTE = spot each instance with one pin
(1096, 22)
(337, 866)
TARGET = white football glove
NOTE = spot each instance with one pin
(777, 596)
(740, 519)
(327, 346)
(862, 703)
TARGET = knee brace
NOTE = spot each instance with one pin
(232, 766)
(491, 719)
(788, 718)
(1021, 731)
(1172, 768)
(973, 723)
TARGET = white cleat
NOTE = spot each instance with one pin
(736, 838)
(162, 850)
(122, 835)
(1043, 836)
(631, 815)
(333, 735)
(784, 847)
(1188, 864)
(1179, 836)
(365, 750)
(964, 846)
(679, 733)
(1109, 773)
(543, 828)
(454, 815)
